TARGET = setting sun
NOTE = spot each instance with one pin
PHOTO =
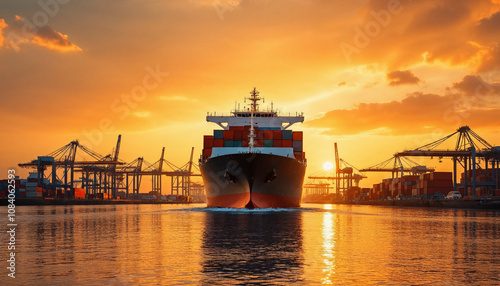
(327, 166)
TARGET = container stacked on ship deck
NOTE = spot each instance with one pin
(238, 136)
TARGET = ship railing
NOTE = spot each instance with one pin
(222, 114)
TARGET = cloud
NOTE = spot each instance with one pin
(453, 32)
(418, 113)
(21, 32)
(402, 77)
(474, 85)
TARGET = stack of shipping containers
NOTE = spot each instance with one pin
(238, 136)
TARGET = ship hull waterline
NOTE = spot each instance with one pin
(253, 180)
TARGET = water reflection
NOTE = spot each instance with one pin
(328, 232)
(252, 248)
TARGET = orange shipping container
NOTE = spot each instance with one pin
(268, 134)
(277, 143)
(297, 136)
(287, 143)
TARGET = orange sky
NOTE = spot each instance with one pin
(375, 76)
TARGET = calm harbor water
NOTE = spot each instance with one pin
(316, 244)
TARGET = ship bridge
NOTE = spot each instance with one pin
(262, 119)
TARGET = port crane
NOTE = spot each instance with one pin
(64, 160)
(105, 174)
(470, 149)
(400, 165)
(344, 177)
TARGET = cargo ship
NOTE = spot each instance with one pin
(255, 160)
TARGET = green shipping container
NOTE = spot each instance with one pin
(229, 144)
(237, 144)
(268, 143)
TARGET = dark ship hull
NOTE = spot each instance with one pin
(253, 180)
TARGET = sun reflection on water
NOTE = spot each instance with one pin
(328, 247)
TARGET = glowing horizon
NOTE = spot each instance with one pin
(376, 77)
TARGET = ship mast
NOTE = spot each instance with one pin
(254, 107)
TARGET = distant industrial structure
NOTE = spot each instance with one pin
(479, 160)
(60, 175)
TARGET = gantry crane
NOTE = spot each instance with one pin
(469, 150)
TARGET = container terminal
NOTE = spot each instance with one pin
(474, 182)
(58, 178)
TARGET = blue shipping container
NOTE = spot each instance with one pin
(218, 134)
(269, 128)
(286, 135)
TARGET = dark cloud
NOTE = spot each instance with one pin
(490, 27)
(402, 77)
(20, 32)
(474, 85)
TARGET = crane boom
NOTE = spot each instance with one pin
(117, 149)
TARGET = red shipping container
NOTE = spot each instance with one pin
(441, 176)
(276, 134)
(277, 143)
(259, 143)
(207, 153)
(297, 136)
(208, 141)
(438, 184)
(237, 128)
(268, 134)
(260, 135)
(218, 142)
(238, 135)
(287, 143)
(245, 134)
(244, 143)
(228, 135)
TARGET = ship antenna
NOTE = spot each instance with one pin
(251, 136)
(254, 97)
